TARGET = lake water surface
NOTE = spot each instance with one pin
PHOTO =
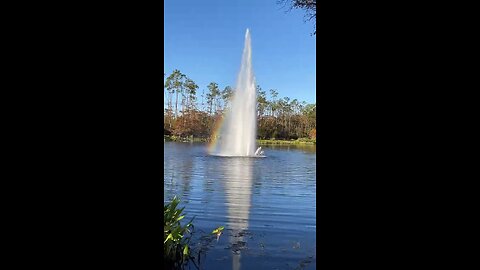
(267, 205)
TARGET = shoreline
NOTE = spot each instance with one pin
(301, 141)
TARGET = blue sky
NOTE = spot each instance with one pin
(204, 40)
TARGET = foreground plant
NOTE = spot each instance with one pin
(176, 238)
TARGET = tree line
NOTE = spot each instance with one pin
(185, 115)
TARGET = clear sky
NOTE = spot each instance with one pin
(204, 40)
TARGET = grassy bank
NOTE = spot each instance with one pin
(184, 139)
(301, 141)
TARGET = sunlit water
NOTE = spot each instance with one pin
(267, 205)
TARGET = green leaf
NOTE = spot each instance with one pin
(185, 250)
(168, 237)
(218, 230)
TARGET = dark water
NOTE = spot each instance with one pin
(267, 205)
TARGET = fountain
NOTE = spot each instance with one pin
(237, 135)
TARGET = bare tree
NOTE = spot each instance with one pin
(310, 7)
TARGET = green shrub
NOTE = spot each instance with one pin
(176, 237)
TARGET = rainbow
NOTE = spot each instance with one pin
(216, 132)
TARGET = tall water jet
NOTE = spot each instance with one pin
(237, 136)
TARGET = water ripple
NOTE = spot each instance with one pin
(268, 206)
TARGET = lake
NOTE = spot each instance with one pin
(267, 205)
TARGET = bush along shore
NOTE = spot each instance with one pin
(191, 139)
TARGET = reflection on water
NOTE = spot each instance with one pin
(181, 174)
(238, 190)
